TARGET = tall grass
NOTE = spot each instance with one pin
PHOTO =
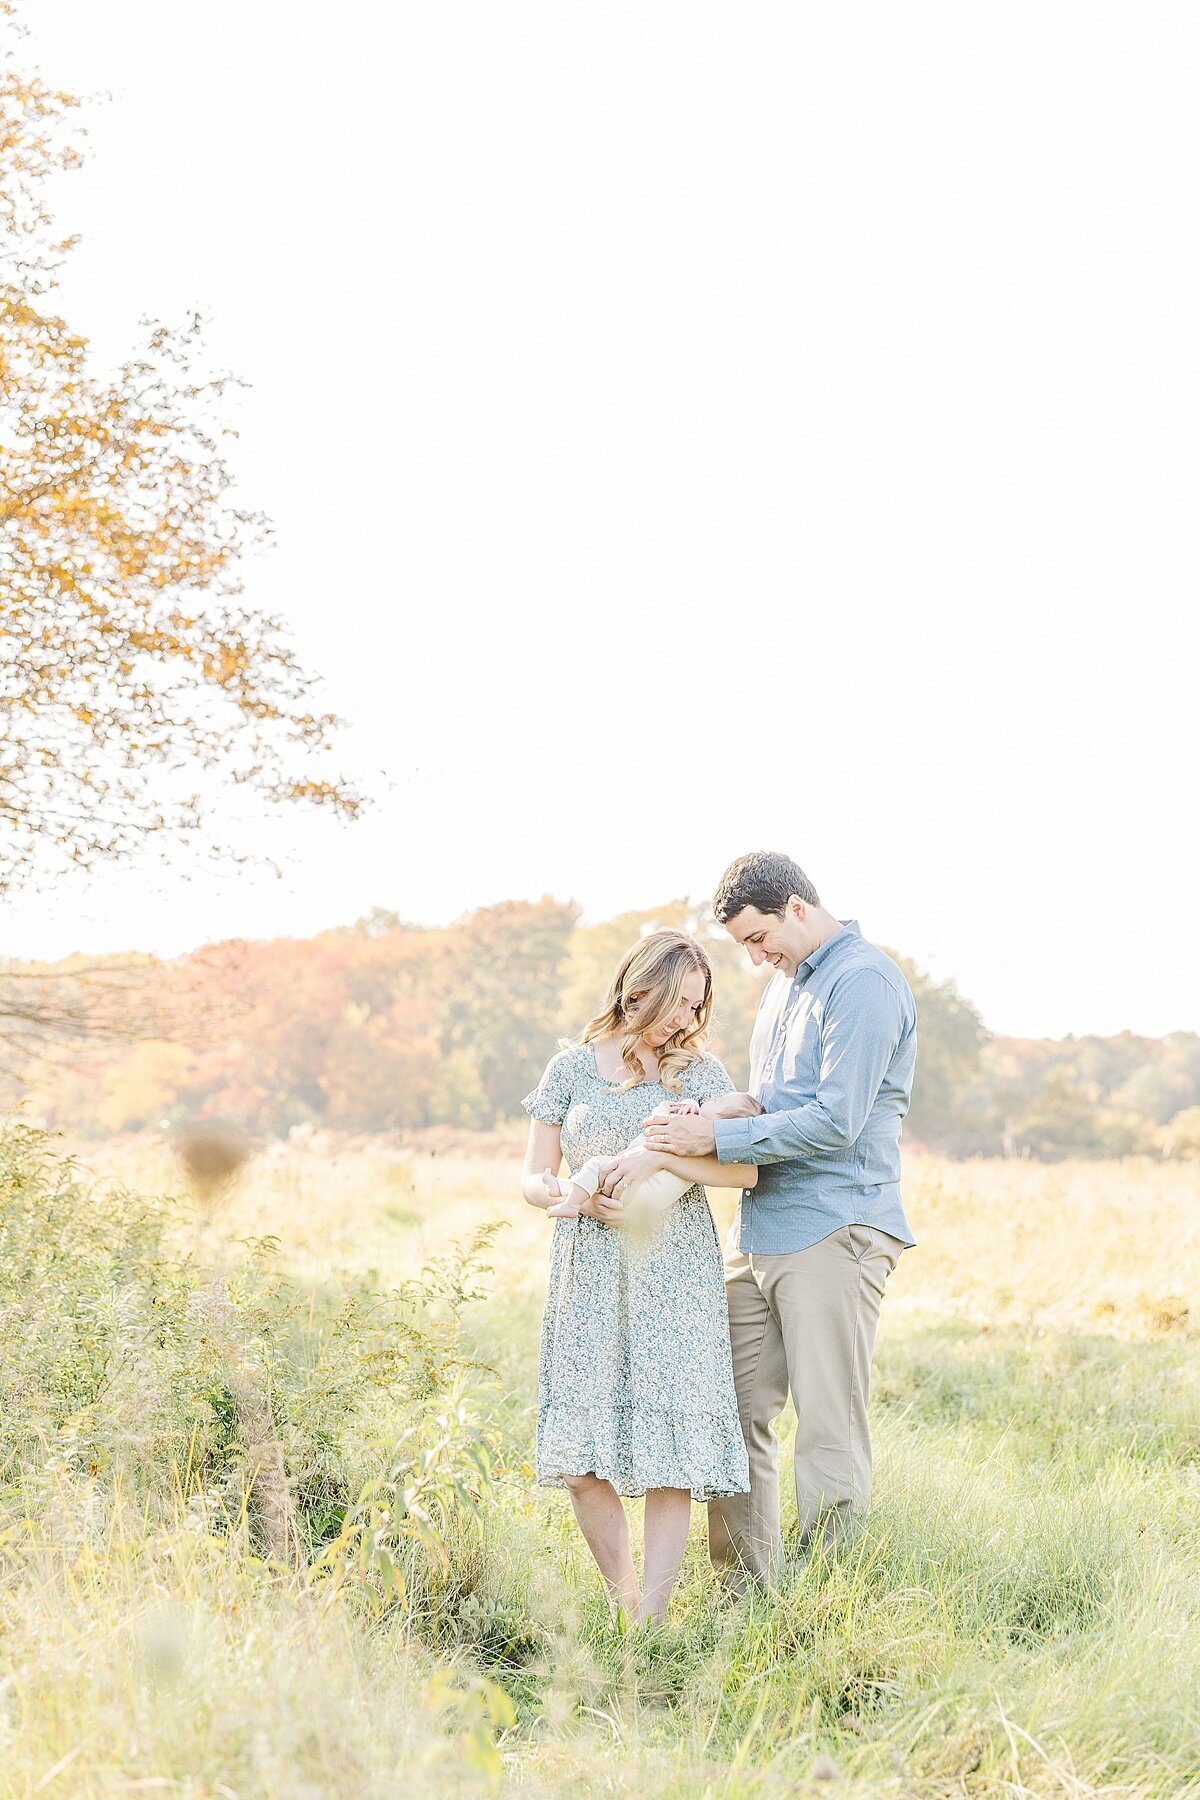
(1020, 1615)
(148, 1620)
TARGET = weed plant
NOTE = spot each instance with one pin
(1020, 1614)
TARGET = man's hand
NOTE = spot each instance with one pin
(684, 1134)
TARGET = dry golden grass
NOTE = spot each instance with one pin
(1110, 1246)
(1022, 1616)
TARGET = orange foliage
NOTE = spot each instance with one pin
(129, 664)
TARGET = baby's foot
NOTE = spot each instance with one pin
(565, 1209)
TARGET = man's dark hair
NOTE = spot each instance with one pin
(764, 880)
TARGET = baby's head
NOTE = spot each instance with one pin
(673, 1108)
(711, 1109)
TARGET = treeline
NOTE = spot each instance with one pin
(386, 1026)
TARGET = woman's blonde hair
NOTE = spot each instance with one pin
(644, 993)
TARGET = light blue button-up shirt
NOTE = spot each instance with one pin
(831, 1064)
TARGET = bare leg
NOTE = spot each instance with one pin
(668, 1515)
(603, 1523)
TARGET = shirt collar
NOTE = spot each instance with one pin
(848, 928)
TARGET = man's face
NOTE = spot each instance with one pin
(781, 939)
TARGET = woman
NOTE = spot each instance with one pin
(636, 1381)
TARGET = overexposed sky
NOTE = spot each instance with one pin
(693, 428)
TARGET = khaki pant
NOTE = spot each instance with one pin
(803, 1322)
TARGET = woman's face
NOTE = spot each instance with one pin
(684, 1016)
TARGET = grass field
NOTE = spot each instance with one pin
(1020, 1616)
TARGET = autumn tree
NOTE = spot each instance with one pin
(128, 663)
(104, 999)
(502, 991)
(950, 1040)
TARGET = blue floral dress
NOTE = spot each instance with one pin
(636, 1379)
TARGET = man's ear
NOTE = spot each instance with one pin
(797, 906)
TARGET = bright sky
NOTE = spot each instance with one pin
(689, 429)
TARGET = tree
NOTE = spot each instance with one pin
(1181, 1137)
(134, 1094)
(101, 1000)
(502, 987)
(1063, 1117)
(1157, 1091)
(950, 1039)
(129, 664)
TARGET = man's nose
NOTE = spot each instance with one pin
(756, 954)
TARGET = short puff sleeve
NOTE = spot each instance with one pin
(551, 1099)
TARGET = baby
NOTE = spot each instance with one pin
(655, 1193)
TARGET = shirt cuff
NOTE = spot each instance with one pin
(732, 1139)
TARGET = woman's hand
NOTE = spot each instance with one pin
(543, 1158)
(625, 1171)
(603, 1208)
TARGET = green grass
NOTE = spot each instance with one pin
(1020, 1615)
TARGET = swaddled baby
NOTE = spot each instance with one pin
(654, 1193)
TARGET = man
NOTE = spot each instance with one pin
(831, 1067)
